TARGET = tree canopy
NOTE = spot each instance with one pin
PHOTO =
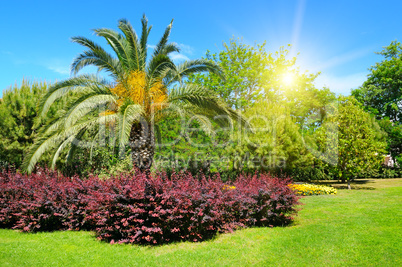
(268, 85)
(254, 74)
(352, 139)
(381, 93)
(19, 121)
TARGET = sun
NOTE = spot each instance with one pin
(288, 79)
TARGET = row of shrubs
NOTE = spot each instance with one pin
(135, 208)
(306, 174)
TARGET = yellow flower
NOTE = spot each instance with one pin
(136, 88)
(311, 189)
(227, 187)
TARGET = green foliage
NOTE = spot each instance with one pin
(243, 66)
(183, 144)
(18, 120)
(276, 141)
(394, 138)
(102, 160)
(253, 74)
(381, 95)
(387, 172)
(255, 80)
(351, 140)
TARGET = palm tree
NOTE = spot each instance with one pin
(138, 93)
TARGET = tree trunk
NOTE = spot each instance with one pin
(142, 142)
(349, 184)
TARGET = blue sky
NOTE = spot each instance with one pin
(337, 38)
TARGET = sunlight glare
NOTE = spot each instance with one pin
(288, 79)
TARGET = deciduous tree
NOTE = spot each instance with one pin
(352, 138)
(381, 95)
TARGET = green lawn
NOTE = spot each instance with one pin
(357, 227)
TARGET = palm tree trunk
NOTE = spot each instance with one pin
(142, 142)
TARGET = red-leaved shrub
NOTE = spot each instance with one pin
(144, 210)
(45, 201)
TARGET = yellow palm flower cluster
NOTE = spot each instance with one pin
(137, 88)
(311, 189)
(228, 187)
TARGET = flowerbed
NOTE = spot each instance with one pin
(311, 189)
(143, 210)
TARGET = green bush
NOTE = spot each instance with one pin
(18, 120)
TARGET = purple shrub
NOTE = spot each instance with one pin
(143, 210)
(153, 211)
(44, 201)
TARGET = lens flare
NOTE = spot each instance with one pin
(288, 79)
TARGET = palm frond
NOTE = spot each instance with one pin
(194, 66)
(53, 126)
(85, 105)
(74, 145)
(63, 145)
(36, 151)
(96, 56)
(204, 122)
(163, 41)
(103, 61)
(47, 143)
(132, 39)
(159, 65)
(170, 48)
(119, 45)
(203, 99)
(86, 42)
(82, 83)
(144, 39)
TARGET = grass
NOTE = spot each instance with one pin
(368, 184)
(357, 227)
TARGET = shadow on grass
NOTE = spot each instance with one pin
(353, 187)
(358, 184)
